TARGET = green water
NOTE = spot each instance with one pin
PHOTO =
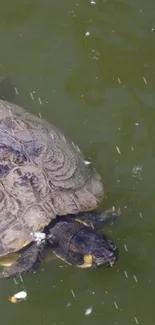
(92, 68)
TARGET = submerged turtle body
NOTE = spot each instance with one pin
(42, 174)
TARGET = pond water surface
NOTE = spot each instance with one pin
(90, 68)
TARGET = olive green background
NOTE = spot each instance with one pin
(92, 66)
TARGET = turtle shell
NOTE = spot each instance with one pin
(42, 174)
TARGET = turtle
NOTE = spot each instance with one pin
(76, 239)
(43, 175)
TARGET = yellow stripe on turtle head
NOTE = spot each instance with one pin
(85, 223)
(88, 261)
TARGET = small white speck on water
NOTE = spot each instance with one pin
(86, 162)
(88, 311)
(119, 81)
(115, 304)
(73, 293)
(136, 123)
(94, 57)
(93, 2)
(135, 278)
(132, 148)
(152, 29)
(16, 91)
(125, 247)
(87, 33)
(141, 215)
(126, 274)
(118, 150)
(136, 320)
(40, 115)
(31, 95)
(40, 102)
(68, 304)
(144, 79)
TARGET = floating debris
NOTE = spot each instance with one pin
(87, 33)
(141, 215)
(119, 81)
(88, 311)
(132, 148)
(135, 278)
(125, 247)
(93, 2)
(126, 274)
(73, 294)
(136, 123)
(115, 304)
(31, 95)
(118, 150)
(16, 91)
(136, 320)
(40, 102)
(145, 80)
(18, 297)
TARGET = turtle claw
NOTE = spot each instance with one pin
(118, 212)
(115, 212)
(111, 215)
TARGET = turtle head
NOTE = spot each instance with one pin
(105, 252)
(81, 245)
(96, 250)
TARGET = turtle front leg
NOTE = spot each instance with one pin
(29, 260)
(96, 220)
